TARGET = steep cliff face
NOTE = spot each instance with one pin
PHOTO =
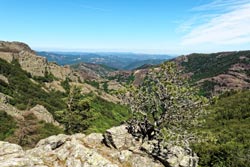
(34, 64)
(38, 66)
(115, 148)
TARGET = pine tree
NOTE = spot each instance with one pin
(76, 117)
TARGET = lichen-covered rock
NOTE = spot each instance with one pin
(4, 79)
(119, 138)
(141, 161)
(63, 150)
(8, 149)
(93, 139)
(174, 156)
(135, 159)
(13, 155)
(53, 142)
(9, 109)
(43, 114)
(79, 150)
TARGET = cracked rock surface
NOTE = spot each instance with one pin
(115, 148)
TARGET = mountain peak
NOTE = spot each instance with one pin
(15, 47)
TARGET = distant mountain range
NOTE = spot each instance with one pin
(124, 61)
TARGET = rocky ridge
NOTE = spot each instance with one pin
(36, 65)
(115, 148)
(218, 72)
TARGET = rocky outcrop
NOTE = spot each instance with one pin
(80, 150)
(14, 47)
(91, 71)
(39, 111)
(119, 138)
(4, 79)
(34, 64)
(13, 155)
(86, 88)
(54, 85)
(70, 151)
(9, 109)
(174, 156)
(42, 114)
(54, 74)
(114, 85)
(139, 76)
(61, 150)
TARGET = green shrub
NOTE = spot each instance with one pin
(48, 77)
(7, 125)
(105, 114)
(228, 126)
(65, 84)
(30, 131)
(93, 83)
(25, 93)
(105, 87)
(89, 113)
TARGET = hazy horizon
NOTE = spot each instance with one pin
(110, 51)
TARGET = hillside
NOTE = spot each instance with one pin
(218, 72)
(140, 64)
(36, 98)
(93, 71)
(213, 73)
(227, 129)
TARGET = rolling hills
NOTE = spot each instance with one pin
(121, 61)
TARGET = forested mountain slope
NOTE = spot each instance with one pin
(35, 93)
(218, 72)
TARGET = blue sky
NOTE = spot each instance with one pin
(148, 26)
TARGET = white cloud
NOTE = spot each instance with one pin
(230, 24)
(188, 24)
(220, 5)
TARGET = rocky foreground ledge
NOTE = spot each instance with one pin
(115, 148)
